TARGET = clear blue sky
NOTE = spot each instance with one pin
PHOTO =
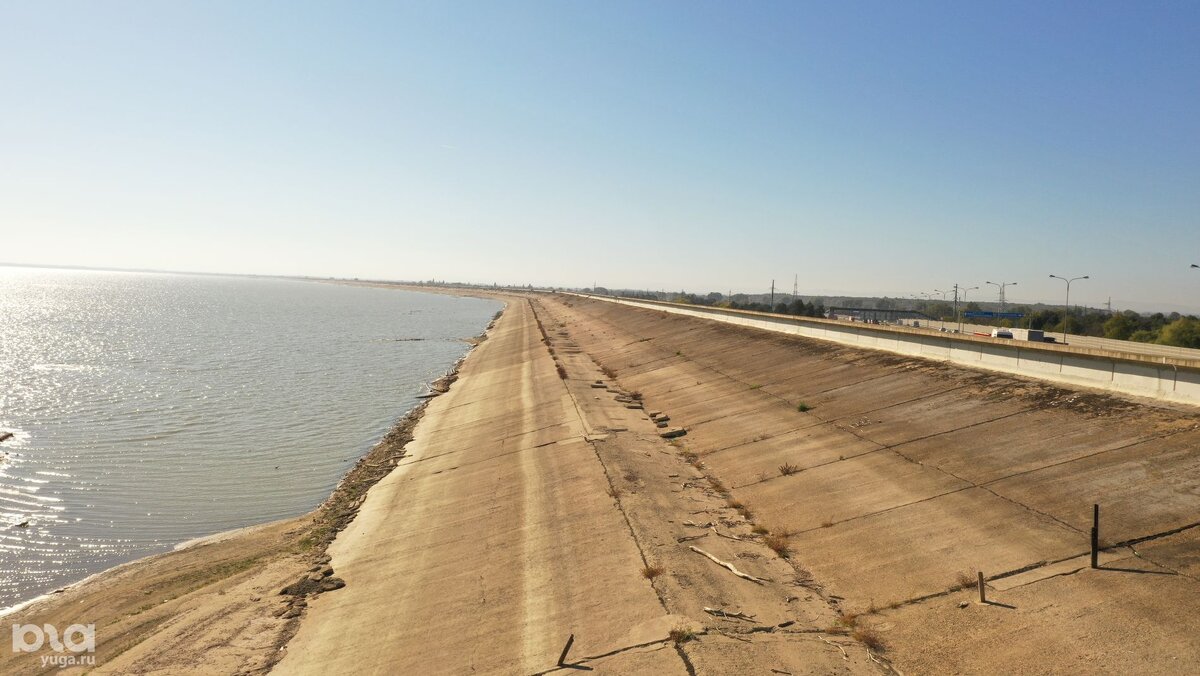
(873, 148)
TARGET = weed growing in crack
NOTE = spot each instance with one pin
(870, 638)
(681, 635)
(779, 543)
(965, 579)
(741, 508)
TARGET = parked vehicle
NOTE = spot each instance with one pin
(1034, 335)
(1002, 333)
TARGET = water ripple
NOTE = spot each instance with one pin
(152, 409)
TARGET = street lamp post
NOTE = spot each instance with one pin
(1001, 285)
(928, 297)
(1068, 300)
(964, 300)
(943, 322)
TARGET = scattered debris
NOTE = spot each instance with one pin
(719, 612)
(844, 655)
(729, 566)
(727, 537)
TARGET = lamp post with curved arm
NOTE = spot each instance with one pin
(1068, 301)
(964, 300)
(939, 309)
(921, 295)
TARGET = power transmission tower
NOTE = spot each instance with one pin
(772, 308)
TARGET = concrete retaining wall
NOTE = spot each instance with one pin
(1164, 378)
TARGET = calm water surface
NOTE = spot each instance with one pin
(149, 409)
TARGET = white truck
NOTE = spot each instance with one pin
(1031, 335)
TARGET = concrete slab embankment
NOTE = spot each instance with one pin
(1166, 378)
(899, 477)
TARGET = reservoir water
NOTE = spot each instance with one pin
(149, 409)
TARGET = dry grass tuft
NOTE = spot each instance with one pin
(651, 572)
(681, 635)
(562, 372)
(845, 623)
(803, 407)
(635, 395)
(760, 530)
(788, 469)
(965, 579)
(870, 638)
(613, 492)
(779, 543)
(741, 508)
(631, 476)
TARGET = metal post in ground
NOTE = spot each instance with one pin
(562, 659)
(982, 593)
(1095, 536)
